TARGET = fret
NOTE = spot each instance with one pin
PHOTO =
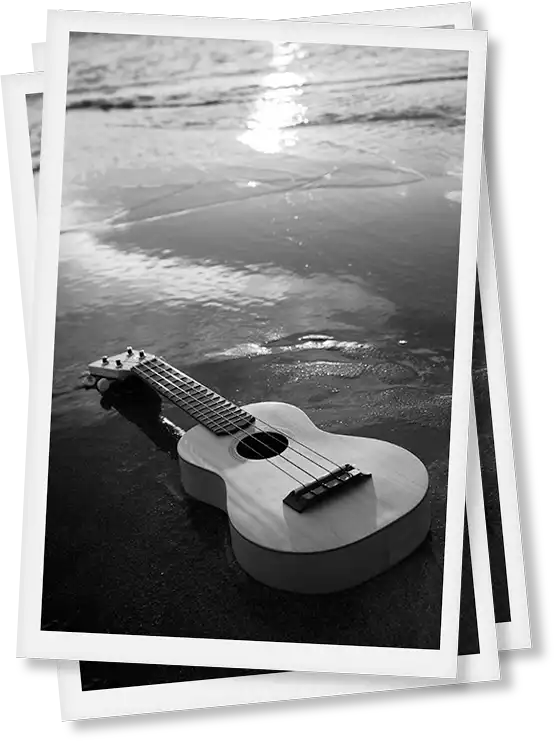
(172, 396)
(206, 406)
(199, 399)
(197, 404)
(215, 399)
(197, 408)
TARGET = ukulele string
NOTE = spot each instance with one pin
(298, 452)
(234, 436)
(299, 442)
(222, 428)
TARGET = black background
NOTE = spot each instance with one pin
(518, 704)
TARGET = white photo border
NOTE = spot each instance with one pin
(25, 703)
(32, 641)
(379, 5)
(515, 634)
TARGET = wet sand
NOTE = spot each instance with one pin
(127, 551)
(314, 264)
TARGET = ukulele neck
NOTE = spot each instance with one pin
(211, 410)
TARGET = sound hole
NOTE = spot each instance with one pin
(262, 445)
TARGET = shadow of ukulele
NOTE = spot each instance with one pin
(142, 406)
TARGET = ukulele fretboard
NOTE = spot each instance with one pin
(208, 408)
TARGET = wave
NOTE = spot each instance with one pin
(232, 96)
(449, 117)
(454, 117)
(373, 82)
(141, 101)
(78, 87)
(353, 349)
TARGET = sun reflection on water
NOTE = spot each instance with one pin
(279, 109)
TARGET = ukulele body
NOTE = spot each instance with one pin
(348, 537)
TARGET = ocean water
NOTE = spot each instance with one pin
(282, 222)
(282, 200)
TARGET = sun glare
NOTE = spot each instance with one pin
(279, 109)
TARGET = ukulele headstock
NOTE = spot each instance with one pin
(119, 366)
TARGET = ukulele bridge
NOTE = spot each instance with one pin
(319, 490)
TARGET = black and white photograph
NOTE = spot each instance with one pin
(275, 289)
(257, 300)
(93, 689)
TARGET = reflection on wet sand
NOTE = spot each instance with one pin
(271, 219)
(132, 278)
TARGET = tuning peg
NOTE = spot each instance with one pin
(105, 360)
(89, 381)
(142, 354)
(129, 350)
(103, 384)
(118, 363)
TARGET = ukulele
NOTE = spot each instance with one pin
(309, 511)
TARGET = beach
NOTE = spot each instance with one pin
(282, 223)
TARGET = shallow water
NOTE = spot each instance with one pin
(280, 221)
